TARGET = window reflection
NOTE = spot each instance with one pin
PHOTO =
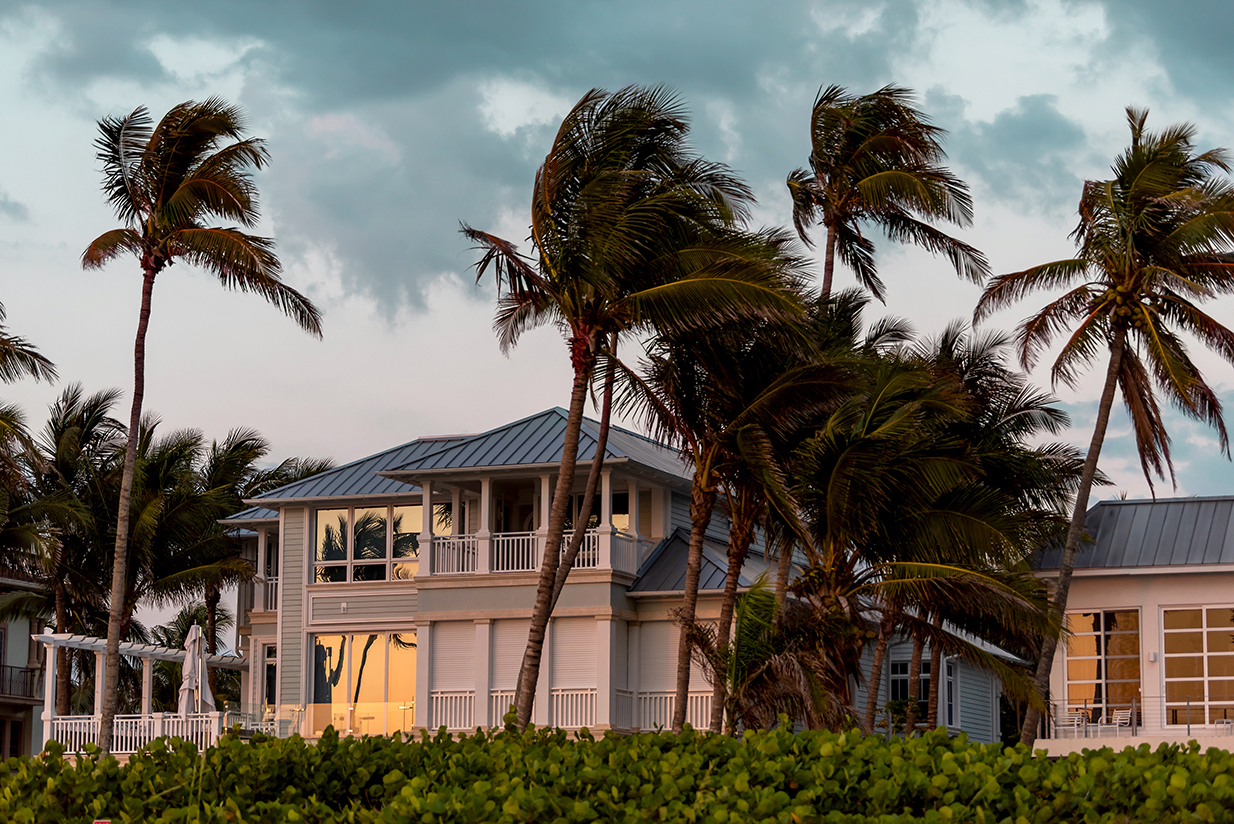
(369, 534)
(407, 522)
(332, 535)
(363, 684)
(1103, 660)
(1199, 666)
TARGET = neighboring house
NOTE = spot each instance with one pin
(21, 682)
(374, 616)
(1151, 617)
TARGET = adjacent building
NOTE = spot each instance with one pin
(21, 680)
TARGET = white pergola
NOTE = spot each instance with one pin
(148, 653)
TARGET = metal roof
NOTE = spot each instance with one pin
(88, 642)
(1164, 532)
(665, 568)
(253, 513)
(538, 440)
(360, 478)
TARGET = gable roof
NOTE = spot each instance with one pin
(1165, 532)
(539, 440)
(665, 569)
(250, 515)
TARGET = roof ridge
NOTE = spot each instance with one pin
(337, 469)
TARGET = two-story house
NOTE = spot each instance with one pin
(21, 680)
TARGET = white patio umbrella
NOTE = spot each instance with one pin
(194, 687)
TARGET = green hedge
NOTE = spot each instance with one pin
(547, 776)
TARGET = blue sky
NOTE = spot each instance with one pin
(391, 122)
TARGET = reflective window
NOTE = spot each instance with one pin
(331, 535)
(368, 543)
(1199, 664)
(369, 534)
(1102, 661)
(363, 684)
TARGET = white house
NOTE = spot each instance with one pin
(21, 681)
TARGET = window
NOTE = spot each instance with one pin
(1102, 660)
(363, 684)
(371, 543)
(1199, 664)
(951, 703)
(271, 675)
(899, 681)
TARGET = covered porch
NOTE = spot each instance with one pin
(133, 731)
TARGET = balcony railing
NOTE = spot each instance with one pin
(655, 709)
(515, 552)
(1182, 716)
(268, 590)
(454, 554)
(573, 709)
(451, 709)
(20, 682)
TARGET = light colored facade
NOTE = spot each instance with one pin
(21, 683)
(1151, 616)
(375, 615)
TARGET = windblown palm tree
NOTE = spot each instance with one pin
(631, 231)
(1154, 241)
(876, 159)
(164, 183)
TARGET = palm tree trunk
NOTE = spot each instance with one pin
(212, 612)
(914, 687)
(829, 262)
(936, 677)
(529, 673)
(119, 568)
(63, 681)
(740, 536)
(1058, 605)
(702, 502)
(875, 683)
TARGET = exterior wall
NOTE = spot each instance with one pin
(978, 702)
(361, 605)
(293, 562)
(20, 651)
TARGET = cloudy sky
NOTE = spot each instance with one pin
(391, 122)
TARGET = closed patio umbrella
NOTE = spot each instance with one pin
(190, 701)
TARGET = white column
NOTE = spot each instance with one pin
(49, 691)
(456, 512)
(484, 628)
(540, 711)
(633, 630)
(100, 678)
(634, 512)
(426, 528)
(424, 665)
(259, 597)
(147, 684)
(606, 647)
(605, 532)
(484, 536)
(546, 500)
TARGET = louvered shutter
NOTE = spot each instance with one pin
(509, 644)
(454, 655)
(574, 653)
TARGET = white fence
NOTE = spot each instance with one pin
(132, 732)
(588, 553)
(452, 710)
(499, 705)
(270, 594)
(516, 552)
(454, 554)
(623, 709)
(655, 709)
(574, 708)
(625, 553)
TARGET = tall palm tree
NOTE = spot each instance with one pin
(631, 231)
(1153, 242)
(165, 182)
(876, 159)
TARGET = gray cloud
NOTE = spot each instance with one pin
(13, 209)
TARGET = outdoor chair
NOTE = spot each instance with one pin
(1115, 721)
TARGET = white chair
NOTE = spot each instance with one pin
(1115, 721)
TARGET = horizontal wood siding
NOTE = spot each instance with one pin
(363, 606)
(291, 608)
(454, 655)
(976, 689)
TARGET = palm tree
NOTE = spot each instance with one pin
(876, 159)
(164, 182)
(1153, 242)
(631, 231)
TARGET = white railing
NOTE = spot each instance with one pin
(655, 709)
(515, 552)
(498, 705)
(132, 732)
(454, 554)
(589, 553)
(574, 708)
(623, 709)
(270, 594)
(625, 553)
(451, 709)
(644, 550)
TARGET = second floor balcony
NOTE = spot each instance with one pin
(20, 682)
(524, 552)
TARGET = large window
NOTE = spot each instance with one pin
(1199, 664)
(370, 543)
(363, 684)
(1103, 660)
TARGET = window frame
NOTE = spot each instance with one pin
(350, 562)
(1103, 681)
(1206, 703)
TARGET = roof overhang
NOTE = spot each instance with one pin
(87, 642)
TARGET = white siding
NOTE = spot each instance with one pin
(363, 606)
(509, 644)
(976, 688)
(574, 653)
(291, 608)
(454, 655)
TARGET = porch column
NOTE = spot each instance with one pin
(605, 532)
(100, 677)
(259, 597)
(424, 675)
(606, 646)
(483, 660)
(546, 501)
(49, 691)
(426, 527)
(456, 512)
(484, 536)
(147, 684)
(633, 509)
(633, 630)
(541, 714)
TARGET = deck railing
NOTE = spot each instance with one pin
(515, 552)
(625, 553)
(270, 593)
(1183, 716)
(655, 709)
(498, 705)
(452, 709)
(623, 709)
(589, 553)
(574, 708)
(454, 554)
(20, 682)
(135, 731)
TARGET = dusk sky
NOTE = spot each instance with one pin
(388, 123)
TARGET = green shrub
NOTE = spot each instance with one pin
(547, 776)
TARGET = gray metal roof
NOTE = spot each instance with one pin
(538, 440)
(253, 513)
(665, 569)
(360, 478)
(1164, 532)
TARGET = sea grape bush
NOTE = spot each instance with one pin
(548, 776)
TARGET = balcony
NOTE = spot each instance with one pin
(524, 552)
(20, 682)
